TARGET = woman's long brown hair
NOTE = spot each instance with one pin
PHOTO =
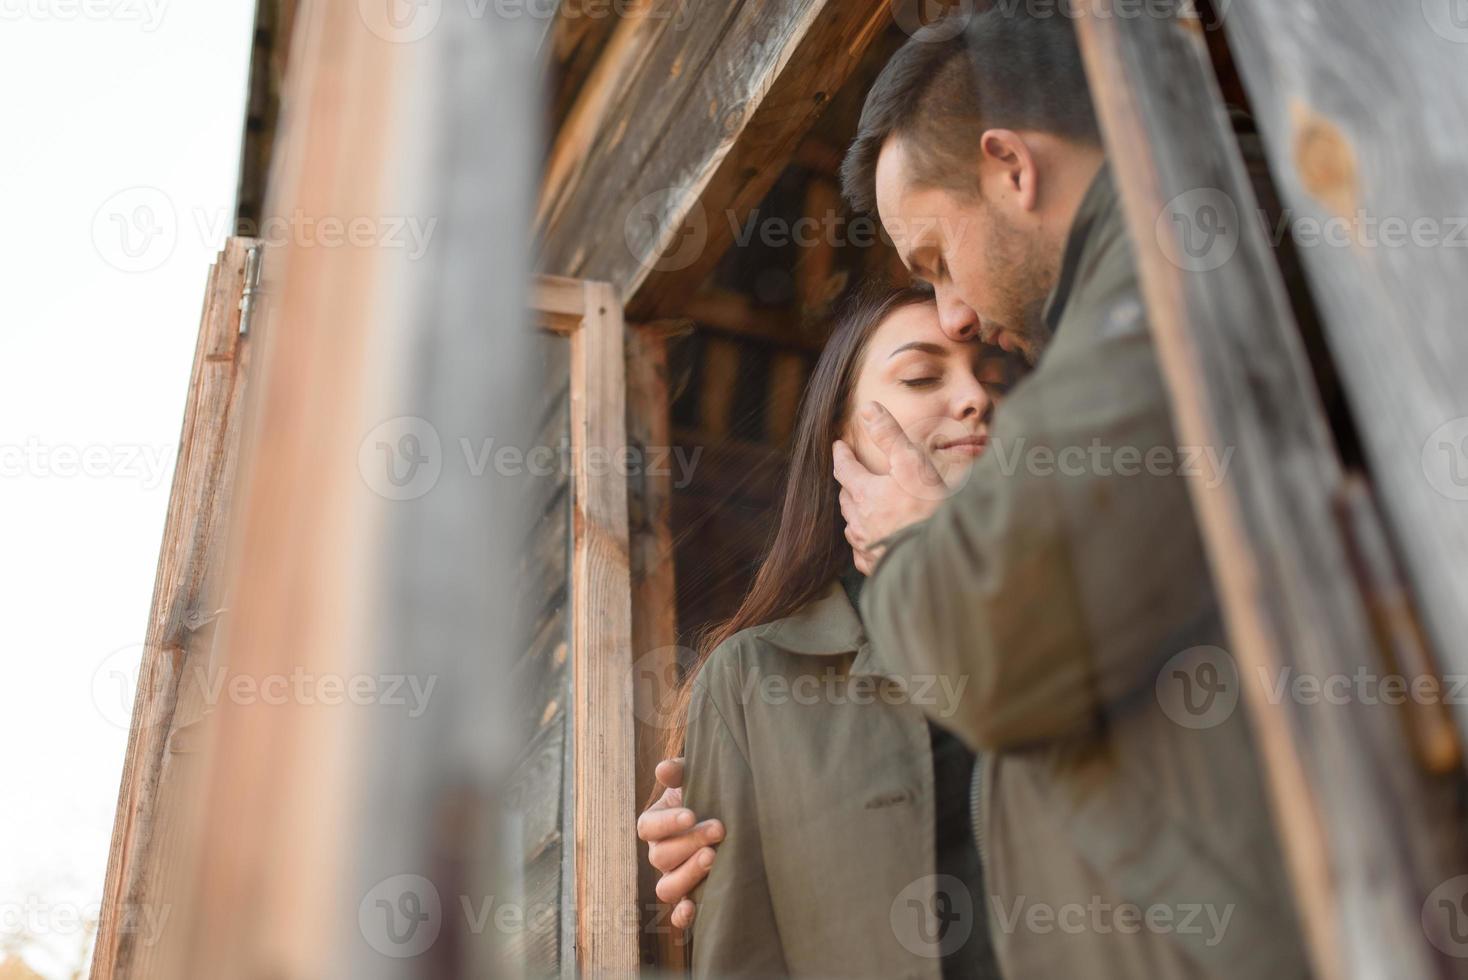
(809, 547)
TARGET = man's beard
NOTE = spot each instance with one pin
(1024, 274)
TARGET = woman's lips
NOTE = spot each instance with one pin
(967, 446)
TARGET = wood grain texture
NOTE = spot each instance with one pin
(601, 648)
(537, 796)
(1356, 100)
(654, 610)
(1367, 835)
(319, 805)
(579, 33)
(153, 830)
(690, 116)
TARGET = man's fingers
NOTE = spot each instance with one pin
(678, 884)
(849, 471)
(669, 772)
(883, 428)
(667, 855)
(661, 820)
(683, 913)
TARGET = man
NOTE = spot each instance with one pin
(1118, 840)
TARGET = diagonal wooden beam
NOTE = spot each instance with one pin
(687, 121)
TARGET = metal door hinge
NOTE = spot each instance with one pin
(252, 287)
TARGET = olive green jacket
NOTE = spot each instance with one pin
(821, 769)
(1057, 583)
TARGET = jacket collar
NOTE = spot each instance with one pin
(826, 626)
(1099, 209)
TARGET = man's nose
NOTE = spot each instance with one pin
(957, 321)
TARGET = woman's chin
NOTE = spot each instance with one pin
(953, 464)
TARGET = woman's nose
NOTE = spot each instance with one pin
(974, 403)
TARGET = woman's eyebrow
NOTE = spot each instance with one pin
(920, 345)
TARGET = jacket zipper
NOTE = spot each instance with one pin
(979, 808)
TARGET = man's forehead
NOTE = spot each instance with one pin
(909, 210)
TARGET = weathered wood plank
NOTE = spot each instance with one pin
(534, 791)
(323, 804)
(720, 377)
(699, 108)
(544, 563)
(578, 35)
(540, 679)
(601, 648)
(654, 608)
(1366, 834)
(535, 945)
(559, 302)
(152, 831)
(787, 385)
(1356, 100)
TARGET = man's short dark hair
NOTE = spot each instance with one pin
(1011, 70)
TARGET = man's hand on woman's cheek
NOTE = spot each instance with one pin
(877, 506)
(678, 845)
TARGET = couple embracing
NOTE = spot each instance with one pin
(993, 788)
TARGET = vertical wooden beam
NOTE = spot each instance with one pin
(787, 385)
(153, 829)
(720, 375)
(817, 262)
(601, 647)
(1365, 833)
(351, 820)
(654, 607)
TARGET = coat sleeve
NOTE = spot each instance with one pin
(734, 930)
(1064, 572)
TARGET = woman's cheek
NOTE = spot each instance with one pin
(870, 456)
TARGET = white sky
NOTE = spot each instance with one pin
(100, 97)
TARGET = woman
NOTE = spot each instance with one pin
(819, 762)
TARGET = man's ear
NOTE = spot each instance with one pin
(1011, 165)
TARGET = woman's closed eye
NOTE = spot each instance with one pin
(923, 382)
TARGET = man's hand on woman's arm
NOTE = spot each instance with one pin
(678, 845)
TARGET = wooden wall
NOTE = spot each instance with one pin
(537, 794)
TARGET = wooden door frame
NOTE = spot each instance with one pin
(602, 797)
